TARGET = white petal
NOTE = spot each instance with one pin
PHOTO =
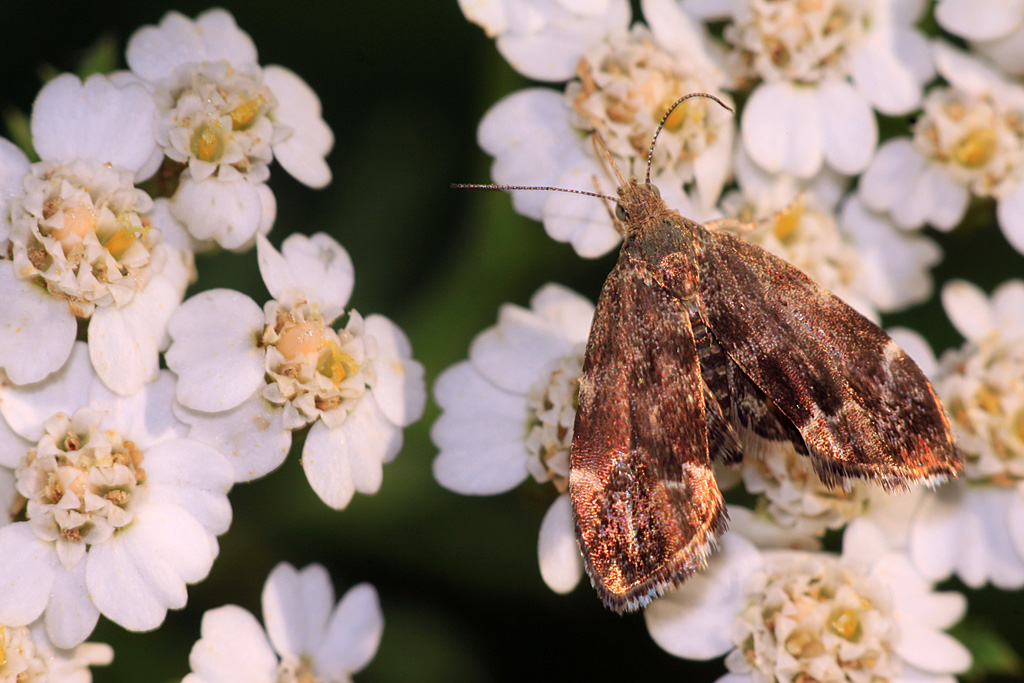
(215, 350)
(147, 415)
(296, 607)
(890, 67)
(316, 268)
(580, 220)
(194, 477)
(397, 383)
(712, 167)
(968, 309)
(298, 107)
(976, 20)
(891, 176)
(131, 586)
(156, 52)
(529, 136)
(340, 461)
(353, 634)
(13, 167)
(965, 72)
(1008, 307)
(850, 130)
(561, 566)
(94, 120)
(932, 650)
(1010, 212)
(948, 199)
(28, 567)
(782, 130)
(1007, 52)
(327, 470)
(71, 615)
(12, 449)
(233, 648)
(250, 435)
(565, 309)
(696, 620)
(37, 329)
(228, 211)
(27, 407)
(515, 354)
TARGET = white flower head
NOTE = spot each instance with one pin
(285, 367)
(823, 68)
(969, 141)
(120, 511)
(508, 413)
(84, 243)
(28, 656)
(626, 82)
(307, 639)
(225, 119)
(794, 616)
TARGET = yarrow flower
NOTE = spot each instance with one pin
(307, 638)
(508, 414)
(224, 118)
(28, 656)
(794, 616)
(285, 367)
(118, 510)
(84, 242)
(969, 141)
(823, 67)
(626, 81)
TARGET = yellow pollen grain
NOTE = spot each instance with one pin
(3, 655)
(300, 340)
(786, 222)
(679, 115)
(124, 238)
(243, 114)
(336, 364)
(975, 149)
(988, 400)
(206, 143)
(846, 623)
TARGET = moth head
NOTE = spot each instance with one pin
(637, 202)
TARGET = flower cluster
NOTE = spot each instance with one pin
(115, 473)
(814, 81)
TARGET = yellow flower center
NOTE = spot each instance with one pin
(208, 142)
(243, 114)
(976, 148)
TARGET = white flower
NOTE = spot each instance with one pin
(543, 39)
(84, 242)
(626, 82)
(308, 639)
(285, 367)
(994, 28)
(824, 66)
(792, 616)
(968, 141)
(225, 119)
(28, 656)
(121, 511)
(508, 413)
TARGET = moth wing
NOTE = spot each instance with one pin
(860, 403)
(645, 502)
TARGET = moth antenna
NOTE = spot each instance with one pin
(474, 186)
(599, 145)
(650, 154)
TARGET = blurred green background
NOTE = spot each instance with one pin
(403, 85)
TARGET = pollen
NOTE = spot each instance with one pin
(79, 221)
(336, 364)
(208, 143)
(124, 237)
(976, 148)
(243, 115)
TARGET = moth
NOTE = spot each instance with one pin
(702, 342)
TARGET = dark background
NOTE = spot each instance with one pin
(403, 85)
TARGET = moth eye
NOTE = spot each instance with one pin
(655, 190)
(620, 213)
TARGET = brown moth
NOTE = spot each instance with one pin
(699, 338)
